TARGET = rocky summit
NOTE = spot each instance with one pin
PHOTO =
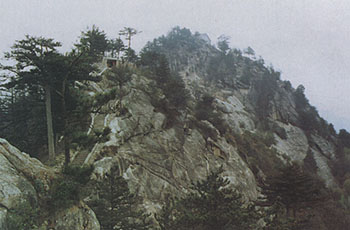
(185, 109)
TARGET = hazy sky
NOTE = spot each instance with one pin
(305, 39)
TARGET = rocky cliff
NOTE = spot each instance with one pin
(160, 150)
(157, 159)
(27, 180)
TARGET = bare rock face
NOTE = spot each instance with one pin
(324, 146)
(235, 115)
(21, 177)
(19, 172)
(79, 217)
(158, 161)
(295, 146)
(323, 169)
(283, 106)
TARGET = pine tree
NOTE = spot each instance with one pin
(41, 69)
(116, 46)
(37, 65)
(116, 206)
(211, 205)
(93, 43)
(294, 188)
(129, 32)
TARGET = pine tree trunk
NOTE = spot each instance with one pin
(65, 126)
(50, 136)
(129, 41)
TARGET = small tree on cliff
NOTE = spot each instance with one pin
(223, 43)
(293, 188)
(116, 206)
(92, 44)
(129, 32)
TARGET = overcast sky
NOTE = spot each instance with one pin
(307, 40)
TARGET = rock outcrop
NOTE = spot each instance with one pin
(19, 174)
(161, 154)
(25, 179)
(158, 160)
(78, 217)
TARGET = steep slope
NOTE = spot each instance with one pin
(159, 161)
(252, 97)
(252, 107)
(168, 122)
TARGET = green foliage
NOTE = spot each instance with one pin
(79, 105)
(120, 74)
(93, 43)
(175, 91)
(308, 120)
(43, 73)
(344, 138)
(247, 76)
(38, 66)
(22, 217)
(249, 51)
(341, 166)
(276, 219)
(116, 207)
(102, 135)
(81, 139)
(37, 61)
(332, 130)
(25, 112)
(265, 89)
(256, 151)
(101, 98)
(210, 205)
(222, 69)
(116, 46)
(280, 222)
(171, 84)
(312, 205)
(205, 110)
(308, 115)
(80, 174)
(177, 37)
(280, 131)
(65, 190)
(130, 56)
(300, 99)
(294, 188)
(223, 43)
(346, 186)
(64, 193)
(87, 141)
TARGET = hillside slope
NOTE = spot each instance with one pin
(188, 108)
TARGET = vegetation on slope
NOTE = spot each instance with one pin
(23, 108)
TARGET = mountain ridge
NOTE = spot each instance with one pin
(172, 121)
